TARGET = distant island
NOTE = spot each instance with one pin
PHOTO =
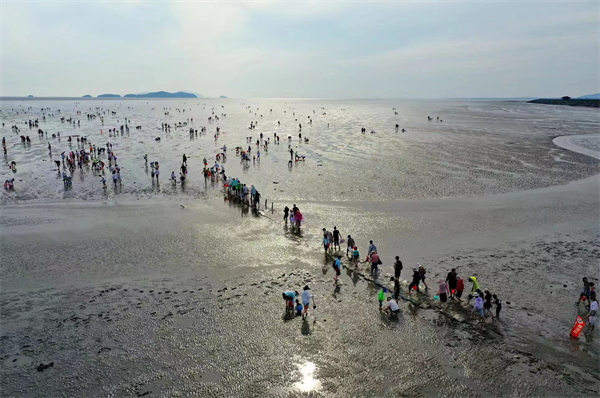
(30, 96)
(163, 94)
(87, 96)
(109, 96)
(222, 96)
(590, 96)
(591, 101)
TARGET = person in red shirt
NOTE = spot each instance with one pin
(460, 286)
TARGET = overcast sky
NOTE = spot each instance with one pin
(301, 49)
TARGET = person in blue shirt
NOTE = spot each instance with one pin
(289, 298)
(372, 248)
(299, 308)
(336, 267)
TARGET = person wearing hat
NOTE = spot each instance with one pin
(474, 287)
(478, 307)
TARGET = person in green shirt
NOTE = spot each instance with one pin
(474, 287)
(381, 297)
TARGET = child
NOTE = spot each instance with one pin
(498, 303)
(299, 308)
(355, 256)
(381, 297)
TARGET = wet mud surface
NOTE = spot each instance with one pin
(203, 337)
(214, 325)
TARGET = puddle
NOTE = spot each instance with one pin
(17, 360)
(308, 382)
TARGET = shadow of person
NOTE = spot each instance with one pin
(305, 327)
(288, 316)
(336, 289)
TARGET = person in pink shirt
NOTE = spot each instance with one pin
(375, 261)
(298, 218)
(443, 291)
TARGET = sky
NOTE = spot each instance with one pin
(308, 49)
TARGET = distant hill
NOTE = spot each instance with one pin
(109, 96)
(590, 96)
(163, 94)
(87, 96)
(222, 96)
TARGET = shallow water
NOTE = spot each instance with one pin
(479, 147)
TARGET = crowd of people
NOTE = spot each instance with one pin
(449, 289)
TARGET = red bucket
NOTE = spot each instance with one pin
(577, 327)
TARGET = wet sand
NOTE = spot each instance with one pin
(128, 298)
(123, 308)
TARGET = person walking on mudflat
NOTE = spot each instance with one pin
(423, 271)
(397, 268)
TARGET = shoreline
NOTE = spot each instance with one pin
(565, 141)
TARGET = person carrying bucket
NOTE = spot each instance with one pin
(415, 281)
(451, 280)
(585, 293)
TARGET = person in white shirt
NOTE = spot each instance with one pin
(306, 297)
(392, 307)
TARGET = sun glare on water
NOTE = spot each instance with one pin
(308, 382)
